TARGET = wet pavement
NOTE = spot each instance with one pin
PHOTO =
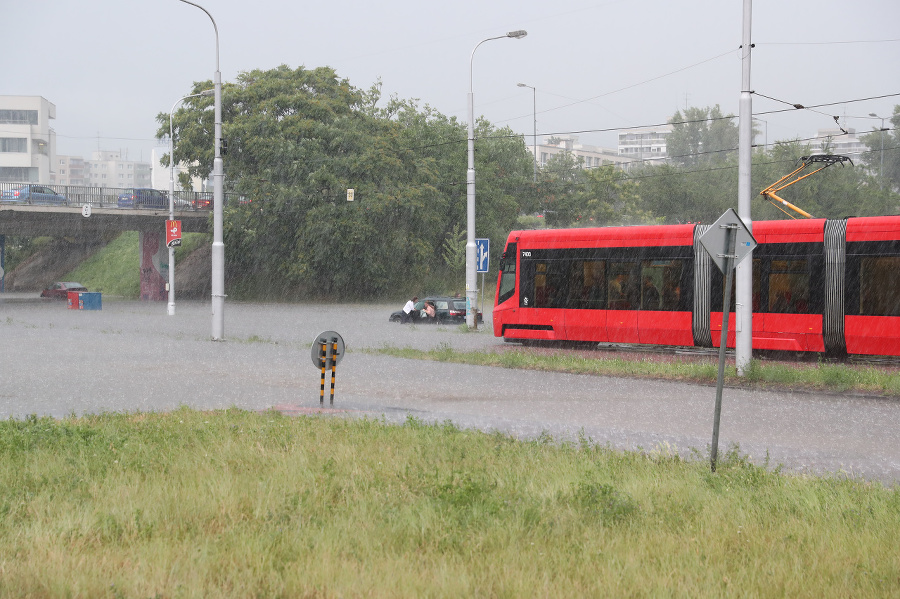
(130, 356)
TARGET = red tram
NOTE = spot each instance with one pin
(829, 286)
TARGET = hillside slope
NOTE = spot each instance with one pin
(60, 258)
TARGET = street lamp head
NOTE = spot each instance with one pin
(208, 92)
(517, 34)
(875, 115)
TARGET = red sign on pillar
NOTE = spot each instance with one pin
(173, 233)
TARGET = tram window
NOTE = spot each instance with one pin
(719, 295)
(879, 293)
(789, 286)
(661, 284)
(550, 284)
(622, 285)
(586, 278)
(508, 274)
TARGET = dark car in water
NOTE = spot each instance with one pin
(61, 289)
(447, 310)
(33, 194)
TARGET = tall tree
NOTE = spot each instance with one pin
(701, 135)
(883, 157)
(298, 139)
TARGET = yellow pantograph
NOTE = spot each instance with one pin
(825, 160)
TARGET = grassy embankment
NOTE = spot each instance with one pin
(838, 377)
(239, 504)
(114, 270)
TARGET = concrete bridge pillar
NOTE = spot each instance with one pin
(154, 266)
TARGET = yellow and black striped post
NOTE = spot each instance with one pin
(323, 361)
(334, 356)
(327, 350)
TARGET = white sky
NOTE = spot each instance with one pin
(110, 66)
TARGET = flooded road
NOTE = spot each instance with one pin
(131, 356)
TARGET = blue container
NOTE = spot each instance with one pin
(90, 301)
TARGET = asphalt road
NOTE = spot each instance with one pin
(131, 356)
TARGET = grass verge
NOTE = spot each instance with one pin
(239, 504)
(799, 375)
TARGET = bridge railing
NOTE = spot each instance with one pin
(108, 197)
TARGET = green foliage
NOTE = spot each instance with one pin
(701, 135)
(115, 270)
(883, 158)
(298, 139)
(454, 249)
(702, 187)
(18, 248)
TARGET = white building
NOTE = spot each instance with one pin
(838, 142)
(68, 170)
(27, 142)
(644, 144)
(110, 169)
(591, 156)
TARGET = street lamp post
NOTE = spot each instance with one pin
(218, 246)
(471, 276)
(207, 92)
(881, 129)
(534, 136)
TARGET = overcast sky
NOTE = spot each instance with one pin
(110, 66)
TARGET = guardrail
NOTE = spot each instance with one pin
(108, 197)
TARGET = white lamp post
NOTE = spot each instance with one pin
(471, 276)
(534, 131)
(208, 92)
(218, 246)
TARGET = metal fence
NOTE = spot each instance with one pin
(108, 197)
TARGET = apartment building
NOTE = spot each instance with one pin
(841, 141)
(110, 169)
(591, 156)
(68, 170)
(27, 142)
(644, 144)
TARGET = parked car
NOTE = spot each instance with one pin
(447, 310)
(152, 199)
(61, 289)
(33, 194)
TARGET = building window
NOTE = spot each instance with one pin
(19, 117)
(13, 144)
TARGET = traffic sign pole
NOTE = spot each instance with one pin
(730, 238)
(482, 262)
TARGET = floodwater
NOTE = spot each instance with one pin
(131, 356)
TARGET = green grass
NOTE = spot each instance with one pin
(797, 375)
(115, 270)
(240, 504)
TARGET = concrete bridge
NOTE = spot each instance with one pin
(91, 221)
(70, 221)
